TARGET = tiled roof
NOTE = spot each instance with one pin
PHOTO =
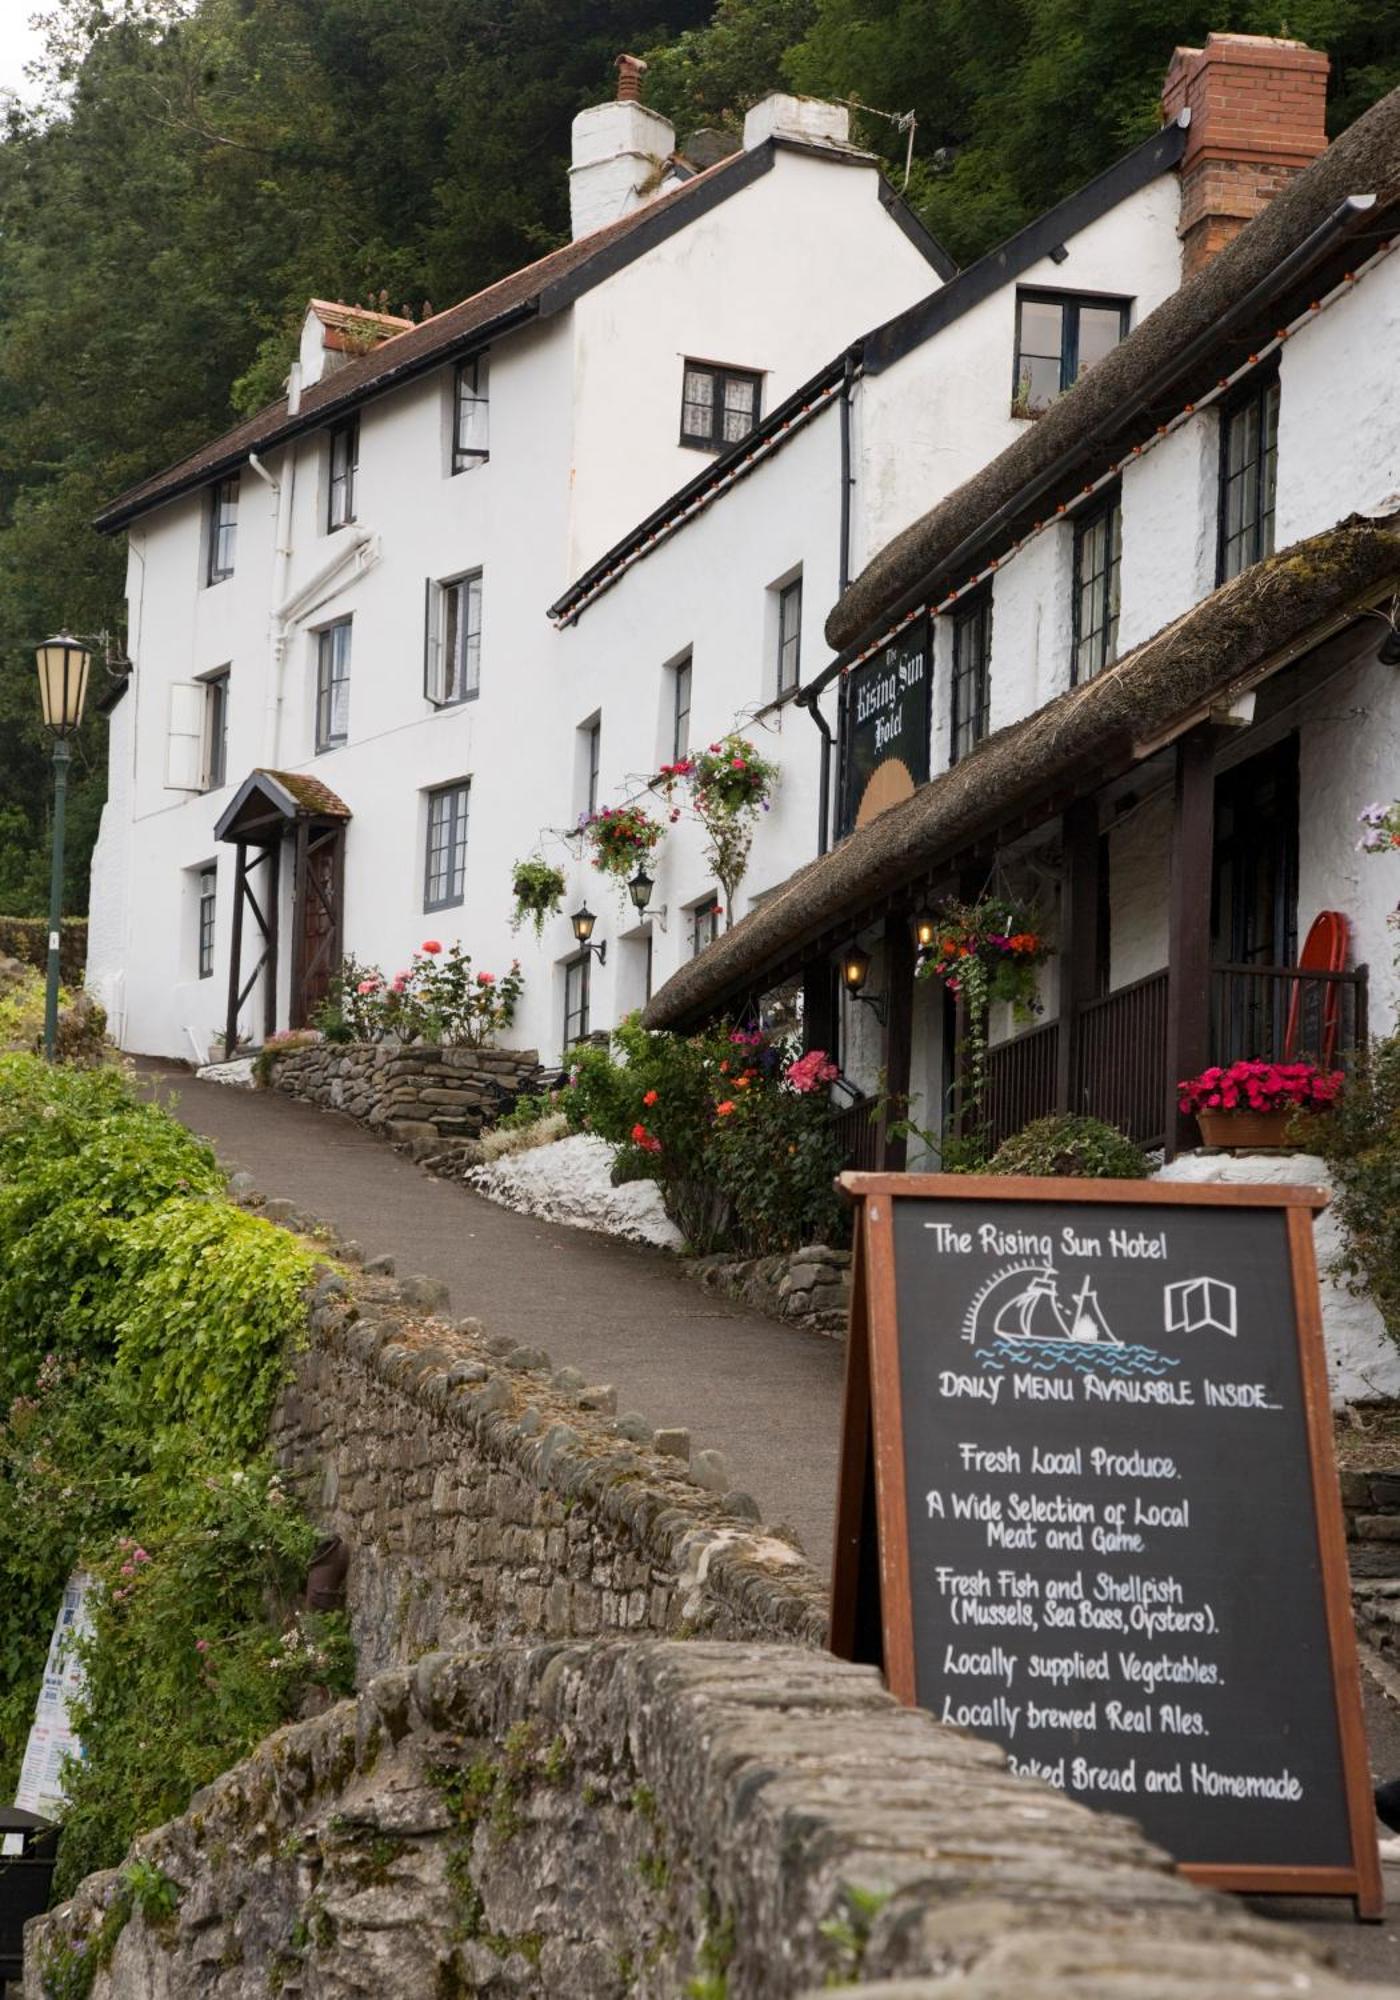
(541, 288)
(310, 794)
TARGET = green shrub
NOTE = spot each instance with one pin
(1360, 1141)
(528, 1111)
(1067, 1145)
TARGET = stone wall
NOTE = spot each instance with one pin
(420, 1097)
(1371, 1503)
(654, 1820)
(486, 1496)
(811, 1286)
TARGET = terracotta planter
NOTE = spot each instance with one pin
(1246, 1128)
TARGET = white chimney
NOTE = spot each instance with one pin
(620, 152)
(809, 118)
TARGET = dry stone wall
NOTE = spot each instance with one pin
(418, 1096)
(1371, 1503)
(653, 1819)
(811, 1287)
(486, 1496)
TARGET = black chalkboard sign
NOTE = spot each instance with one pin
(1089, 1507)
(885, 710)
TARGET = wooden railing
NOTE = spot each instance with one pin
(1118, 1064)
(857, 1132)
(1119, 1071)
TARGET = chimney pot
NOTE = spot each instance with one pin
(630, 71)
(1256, 115)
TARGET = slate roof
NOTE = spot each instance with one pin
(545, 287)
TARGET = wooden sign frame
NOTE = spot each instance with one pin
(871, 1595)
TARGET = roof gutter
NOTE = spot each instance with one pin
(1294, 265)
(118, 516)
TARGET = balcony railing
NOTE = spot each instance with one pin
(1118, 1063)
(857, 1132)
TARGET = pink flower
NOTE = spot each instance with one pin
(368, 986)
(432, 946)
(738, 763)
(486, 979)
(201, 1645)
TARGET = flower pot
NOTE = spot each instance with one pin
(1246, 1128)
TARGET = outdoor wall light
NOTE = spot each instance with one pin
(639, 889)
(63, 664)
(583, 921)
(855, 970)
(925, 927)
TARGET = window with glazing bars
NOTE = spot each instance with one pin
(445, 868)
(704, 923)
(1098, 542)
(718, 405)
(223, 529)
(345, 463)
(789, 634)
(1248, 477)
(332, 685)
(208, 885)
(1059, 337)
(972, 660)
(593, 751)
(471, 436)
(452, 662)
(576, 1000)
(216, 730)
(680, 708)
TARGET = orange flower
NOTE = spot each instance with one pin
(723, 1110)
(742, 1083)
(650, 1097)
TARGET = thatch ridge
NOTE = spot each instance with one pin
(1364, 160)
(1079, 734)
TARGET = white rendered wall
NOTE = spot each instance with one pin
(1169, 530)
(1031, 628)
(816, 262)
(945, 408)
(1339, 409)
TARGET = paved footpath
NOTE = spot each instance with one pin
(766, 1395)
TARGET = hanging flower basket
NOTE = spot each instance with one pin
(538, 887)
(621, 838)
(988, 950)
(1255, 1104)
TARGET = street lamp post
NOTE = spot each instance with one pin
(63, 675)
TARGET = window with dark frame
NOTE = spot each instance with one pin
(332, 685)
(452, 662)
(208, 888)
(344, 465)
(223, 529)
(1059, 337)
(718, 405)
(789, 635)
(680, 708)
(1248, 477)
(576, 985)
(593, 751)
(972, 661)
(216, 729)
(704, 923)
(1098, 546)
(445, 862)
(471, 412)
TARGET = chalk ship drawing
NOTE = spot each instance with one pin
(1019, 1319)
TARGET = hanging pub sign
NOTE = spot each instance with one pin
(1089, 1508)
(885, 727)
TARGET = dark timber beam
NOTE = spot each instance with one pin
(899, 1037)
(1079, 940)
(1188, 919)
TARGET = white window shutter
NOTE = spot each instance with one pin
(184, 747)
(433, 688)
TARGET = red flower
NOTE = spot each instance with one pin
(723, 1110)
(649, 1097)
(432, 945)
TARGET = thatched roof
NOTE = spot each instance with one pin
(1081, 739)
(1154, 370)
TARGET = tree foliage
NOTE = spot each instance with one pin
(196, 169)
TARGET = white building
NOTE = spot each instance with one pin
(466, 580)
(1162, 633)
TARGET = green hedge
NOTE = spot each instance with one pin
(27, 938)
(146, 1323)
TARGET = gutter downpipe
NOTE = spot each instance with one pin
(282, 491)
(848, 376)
(1294, 265)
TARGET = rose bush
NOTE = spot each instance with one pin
(437, 999)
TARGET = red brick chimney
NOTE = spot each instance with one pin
(1257, 109)
(630, 71)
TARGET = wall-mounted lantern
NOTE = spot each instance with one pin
(583, 921)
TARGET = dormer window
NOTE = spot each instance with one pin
(1059, 337)
(719, 406)
(471, 437)
(344, 464)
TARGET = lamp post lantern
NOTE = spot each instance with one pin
(63, 676)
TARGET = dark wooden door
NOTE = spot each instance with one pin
(1254, 915)
(318, 892)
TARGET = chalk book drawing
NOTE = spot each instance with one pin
(1020, 1317)
(1201, 1305)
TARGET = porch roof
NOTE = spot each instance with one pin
(1245, 630)
(267, 801)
